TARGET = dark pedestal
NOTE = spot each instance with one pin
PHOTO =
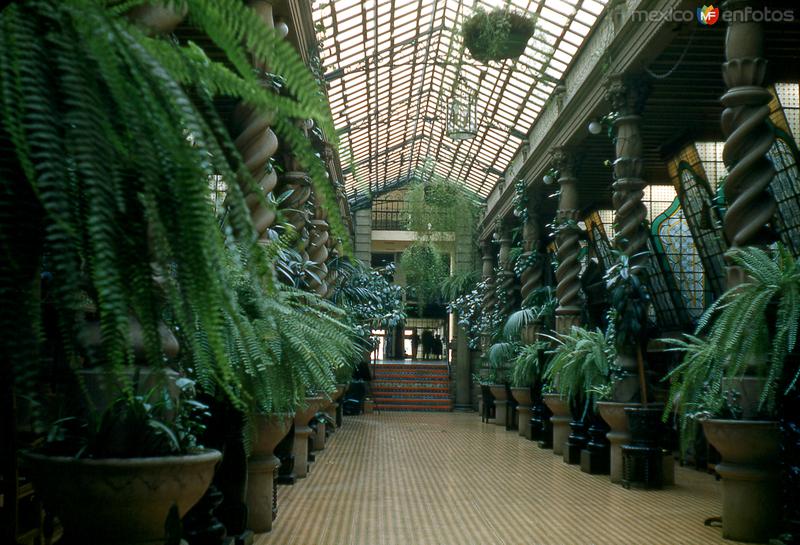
(200, 526)
(642, 458)
(487, 412)
(577, 438)
(512, 416)
(285, 453)
(596, 457)
(546, 433)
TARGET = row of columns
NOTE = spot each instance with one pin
(750, 205)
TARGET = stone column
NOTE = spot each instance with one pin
(748, 138)
(627, 100)
(489, 297)
(533, 275)
(568, 290)
(505, 288)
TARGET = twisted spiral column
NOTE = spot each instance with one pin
(568, 290)
(319, 236)
(505, 282)
(628, 188)
(257, 144)
(750, 206)
(532, 277)
(487, 273)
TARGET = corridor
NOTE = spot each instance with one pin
(412, 478)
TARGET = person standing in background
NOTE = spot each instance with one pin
(414, 344)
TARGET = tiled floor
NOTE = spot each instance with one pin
(446, 479)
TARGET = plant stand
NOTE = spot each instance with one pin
(614, 415)
(577, 438)
(285, 453)
(642, 458)
(318, 439)
(596, 457)
(302, 433)
(500, 403)
(560, 421)
(541, 427)
(487, 403)
(750, 479)
(524, 403)
(511, 411)
(261, 499)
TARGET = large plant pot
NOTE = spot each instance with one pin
(270, 429)
(614, 415)
(120, 501)
(524, 402)
(500, 403)
(750, 476)
(301, 433)
(560, 420)
(643, 457)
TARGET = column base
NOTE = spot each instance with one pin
(301, 434)
(260, 492)
(500, 412)
(524, 420)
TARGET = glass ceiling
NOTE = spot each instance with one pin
(391, 66)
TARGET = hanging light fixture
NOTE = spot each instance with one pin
(462, 112)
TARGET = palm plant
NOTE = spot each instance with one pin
(110, 139)
(538, 308)
(499, 357)
(582, 361)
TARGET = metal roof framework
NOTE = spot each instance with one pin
(391, 65)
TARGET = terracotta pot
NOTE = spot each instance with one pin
(301, 433)
(500, 402)
(270, 429)
(750, 478)
(560, 420)
(120, 501)
(524, 401)
(614, 414)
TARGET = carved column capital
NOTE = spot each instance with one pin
(626, 94)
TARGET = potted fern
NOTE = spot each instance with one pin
(729, 382)
(110, 138)
(581, 363)
(497, 34)
(499, 358)
(525, 378)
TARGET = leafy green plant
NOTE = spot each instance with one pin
(469, 310)
(425, 270)
(438, 205)
(110, 138)
(459, 284)
(538, 308)
(293, 343)
(368, 296)
(529, 365)
(498, 34)
(154, 423)
(750, 329)
(500, 357)
(582, 361)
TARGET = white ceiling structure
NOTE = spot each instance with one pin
(391, 65)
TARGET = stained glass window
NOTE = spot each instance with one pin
(703, 219)
(785, 186)
(598, 240)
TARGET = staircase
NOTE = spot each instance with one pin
(411, 387)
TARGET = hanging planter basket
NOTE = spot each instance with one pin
(497, 35)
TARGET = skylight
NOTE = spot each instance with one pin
(391, 66)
